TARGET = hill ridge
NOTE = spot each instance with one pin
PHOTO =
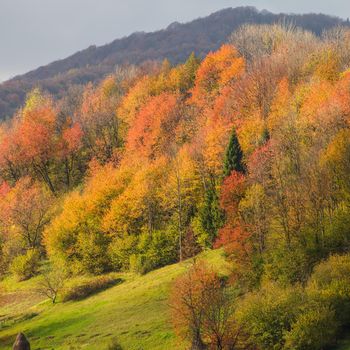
(176, 43)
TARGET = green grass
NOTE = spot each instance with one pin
(135, 312)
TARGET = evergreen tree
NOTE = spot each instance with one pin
(234, 156)
(211, 215)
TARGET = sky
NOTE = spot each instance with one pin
(37, 32)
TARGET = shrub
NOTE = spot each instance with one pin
(330, 283)
(88, 288)
(267, 314)
(154, 251)
(120, 251)
(138, 264)
(92, 253)
(314, 329)
(25, 266)
(288, 266)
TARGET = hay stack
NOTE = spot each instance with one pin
(21, 343)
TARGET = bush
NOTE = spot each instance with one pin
(314, 329)
(156, 250)
(330, 283)
(267, 314)
(25, 266)
(120, 251)
(89, 288)
(138, 264)
(92, 253)
(288, 266)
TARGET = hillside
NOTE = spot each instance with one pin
(175, 43)
(246, 150)
(135, 312)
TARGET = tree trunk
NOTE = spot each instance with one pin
(197, 343)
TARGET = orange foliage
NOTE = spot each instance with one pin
(153, 131)
(232, 236)
(217, 70)
(232, 191)
(25, 210)
(72, 139)
(280, 105)
(197, 299)
(40, 122)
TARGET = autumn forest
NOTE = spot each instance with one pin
(244, 153)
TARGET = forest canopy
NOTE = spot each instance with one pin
(247, 149)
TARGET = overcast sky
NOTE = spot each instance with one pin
(36, 32)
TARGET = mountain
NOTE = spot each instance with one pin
(175, 43)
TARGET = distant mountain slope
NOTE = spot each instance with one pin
(175, 43)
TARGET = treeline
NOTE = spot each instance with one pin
(247, 149)
(175, 43)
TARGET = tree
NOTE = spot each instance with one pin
(234, 156)
(102, 128)
(42, 143)
(187, 73)
(51, 282)
(202, 310)
(217, 70)
(154, 129)
(70, 145)
(211, 216)
(232, 191)
(39, 118)
(25, 211)
(76, 236)
(253, 209)
(181, 189)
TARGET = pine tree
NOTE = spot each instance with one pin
(234, 156)
(211, 215)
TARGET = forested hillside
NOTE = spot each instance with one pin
(246, 150)
(175, 43)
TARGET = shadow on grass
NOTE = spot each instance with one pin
(90, 288)
(11, 321)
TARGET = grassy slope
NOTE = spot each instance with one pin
(135, 312)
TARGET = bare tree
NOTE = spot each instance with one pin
(51, 283)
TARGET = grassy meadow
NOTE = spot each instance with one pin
(134, 312)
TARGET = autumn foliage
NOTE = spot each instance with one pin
(246, 150)
(202, 311)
